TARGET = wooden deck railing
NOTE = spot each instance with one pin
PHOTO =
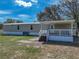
(57, 32)
(61, 32)
(43, 32)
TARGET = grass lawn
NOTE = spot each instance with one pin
(10, 50)
(14, 38)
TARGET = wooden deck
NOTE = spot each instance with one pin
(65, 35)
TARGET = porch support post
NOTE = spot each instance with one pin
(47, 34)
(41, 26)
(71, 29)
(41, 29)
(53, 26)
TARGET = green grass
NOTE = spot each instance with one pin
(10, 50)
(14, 38)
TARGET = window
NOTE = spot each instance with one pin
(18, 27)
(31, 27)
(51, 26)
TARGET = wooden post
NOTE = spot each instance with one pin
(53, 28)
(41, 26)
(71, 29)
(41, 29)
(47, 34)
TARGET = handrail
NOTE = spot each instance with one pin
(61, 32)
(43, 32)
(58, 32)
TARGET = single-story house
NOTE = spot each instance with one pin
(32, 28)
(60, 30)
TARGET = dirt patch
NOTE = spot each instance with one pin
(53, 51)
(31, 42)
(59, 52)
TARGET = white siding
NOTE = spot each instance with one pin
(13, 33)
(13, 30)
(60, 38)
(24, 28)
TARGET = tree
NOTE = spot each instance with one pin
(9, 20)
(1, 26)
(70, 9)
(41, 16)
(54, 12)
(50, 13)
(66, 9)
(19, 21)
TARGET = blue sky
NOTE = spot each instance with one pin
(25, 10)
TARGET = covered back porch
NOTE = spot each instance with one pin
(62, 30)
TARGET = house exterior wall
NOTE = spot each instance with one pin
(45, 26)
(10, 28)
(36, 27)
(62, 26)
(13, 29)
(22, 28)
(56, 26)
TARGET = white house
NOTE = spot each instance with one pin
(32, 28)
(60, 30)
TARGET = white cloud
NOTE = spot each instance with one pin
(35, 1)
(24, 15)
(5, 12)
(23, 3)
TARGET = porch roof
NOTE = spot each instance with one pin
(28, 23)
(58, 21)
(44, 22)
